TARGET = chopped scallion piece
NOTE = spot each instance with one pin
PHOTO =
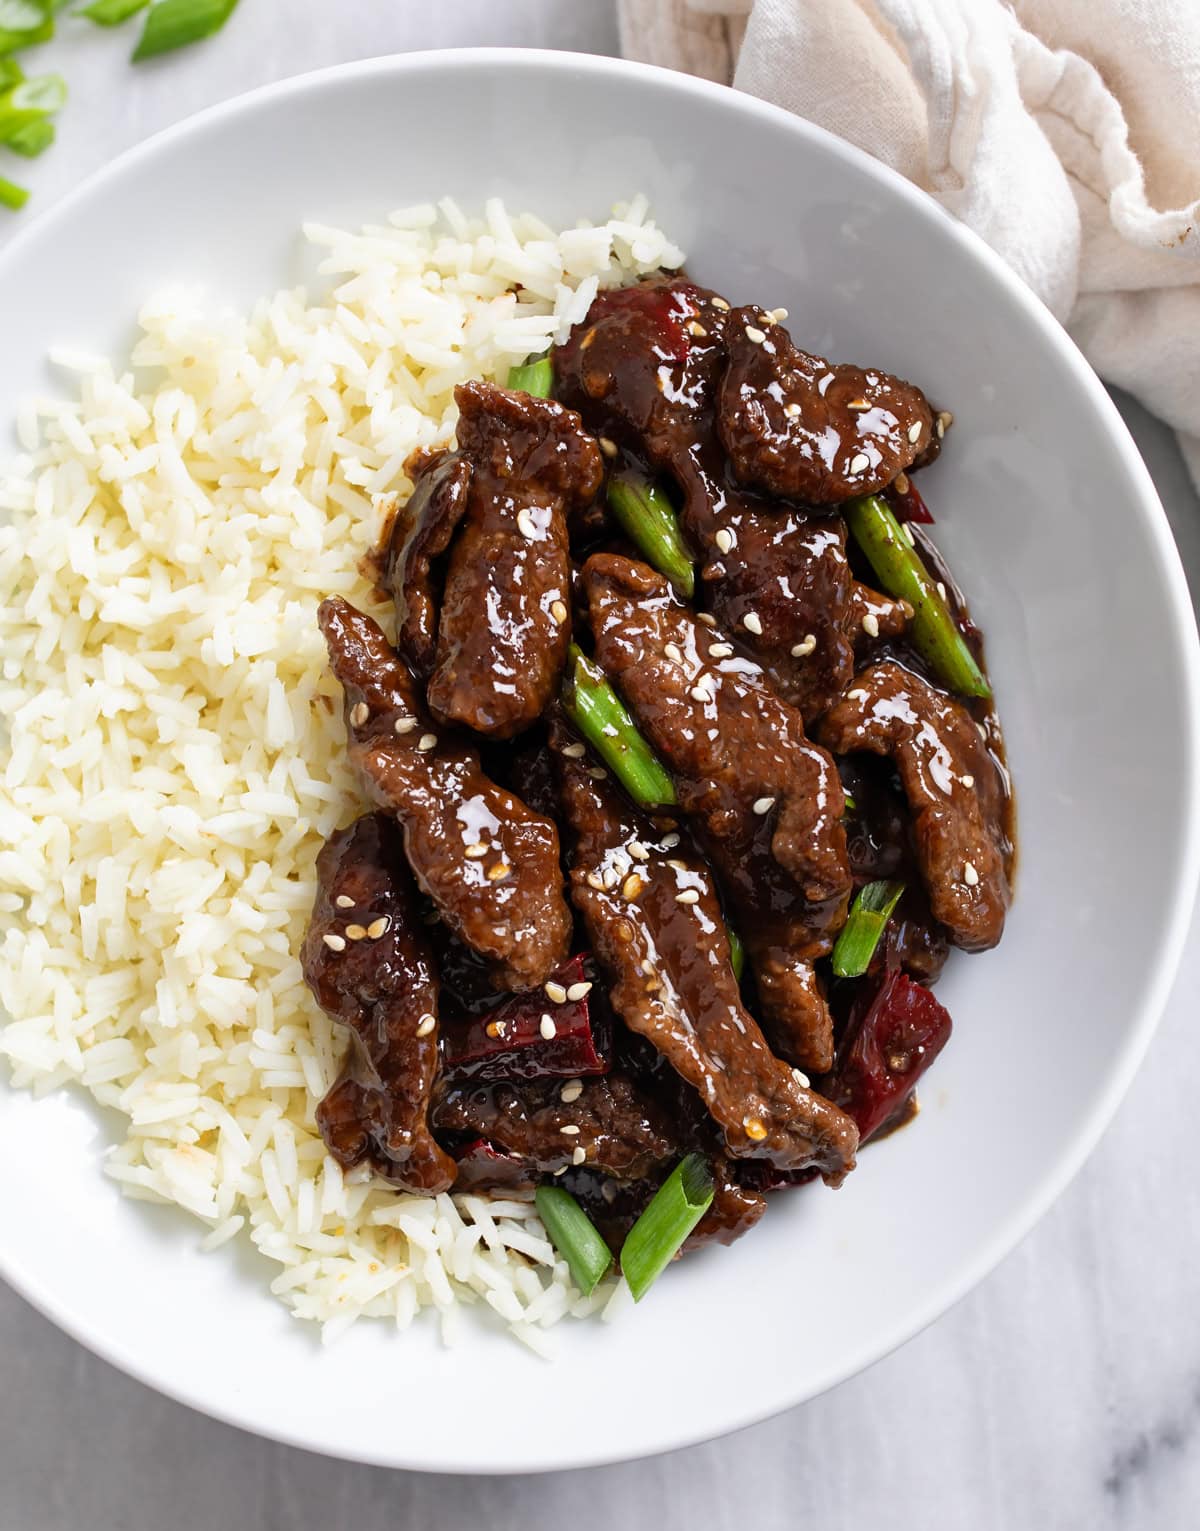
(111, 13)
(535, 377)
(871, 910)
(737, 953)
(596, 710)
(655, 1239)
(32, 140)
(11, 73)
(172, 24)
(12, 196)
(647, 517)
(43, 93)
(574, 1235)
(23, 23)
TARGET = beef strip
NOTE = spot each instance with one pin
(873, 615)
(643, 369)
(489, 864)
(420, 534)
(795, 426)
(367, 962)
(505, 620)
(617, 1130)
(954, 792)
(735, 1210)
(769, 800)
(654, 920)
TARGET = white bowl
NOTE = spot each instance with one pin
(1047, 516)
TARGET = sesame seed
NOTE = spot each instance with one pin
(914, 432)
(547, 1028)
(555, 992)
(967, 781)
(871, 625)
(858, 404)
(558, 611)
(578, 1155)
(359, 714)
(561, 1170)
(673, 652)
(720, 303)
(901, 484)
(356, 932)
(804, 647)
(661, 823)
(792, 411)
(638, 851)
(859, 463)
(632, 886)
(752, 622)
(670, 841)
(343, 902)
(474, 852)
(426, 1024)
(426, 742)
(943, 423)
(755, 1130)
(404, 725)
(688, 896)
(858, 694)
(725, 539)
(970, 875)
(753, 333)
(597, 773)
(526, 525)
(777, 315)
(334, 943)
(697, 329)
(378, 927)
(720, 651)
(570, 1130)
(652, 985)
(801, 1078)
(609, 448)
(578, 991)
(574, 751)
(706, 619)
(701, 691)
(678, 866)
(571, 1091)
(763, 805)
(498, 871)
(594, 880)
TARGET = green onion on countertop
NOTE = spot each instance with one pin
(657, 1236)
(598, 713)
(574, 1235)
(535, 377)
(11, 195)
(934, 632)
(111, 13)
(172, 24)
(869, 913)
(647, 517)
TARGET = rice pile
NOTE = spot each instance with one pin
(176, 746)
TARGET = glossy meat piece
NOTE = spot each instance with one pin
(366, 961)
(795, 426)
(609, 1125)
(873, 615)
(489, 864)
(654, 920)
(769, 800)
(505, 619)
(421, 533)
(953, 789)
(735, 1210)
(484, 1168)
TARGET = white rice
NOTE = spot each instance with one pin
(176, 746)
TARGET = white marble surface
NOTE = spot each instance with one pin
(1064, 1392)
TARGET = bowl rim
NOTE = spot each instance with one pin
(1185, 873)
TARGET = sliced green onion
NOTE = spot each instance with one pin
(851, 805)
(574, 1235)
(647, 517)
(111, 13)
(869, 914)
(11, 73)
(12, 196)
(737, 953)
(655, 1239)
(24, 23)
(43, 93)
(934, 632)
(32, 140)
(172, 24)
(596, 710)
(535, 377)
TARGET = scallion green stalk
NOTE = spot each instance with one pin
(737, 953)
(647, 517)
(33, 139)
(535, 377)
(12, 196)
(172, 24)
(111, 13)
(655, 1239)
(574, 1235)
(598, 713)
(869, 913)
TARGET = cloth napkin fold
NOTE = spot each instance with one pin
(1065, 132)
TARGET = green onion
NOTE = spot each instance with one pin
(11, 73)
(24, 23)
(574, 1235)
(851, 805)
(654, 1240)
(111, 13)
(12, 195)
(32, 140)
(43, 93)
(172, 24)
(535, 377)
(596, 710)
(869, 914)
(737, 953)
(647, 517)
(934, 632)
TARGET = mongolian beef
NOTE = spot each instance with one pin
(683, 779)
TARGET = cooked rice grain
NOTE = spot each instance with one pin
(175, 742)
